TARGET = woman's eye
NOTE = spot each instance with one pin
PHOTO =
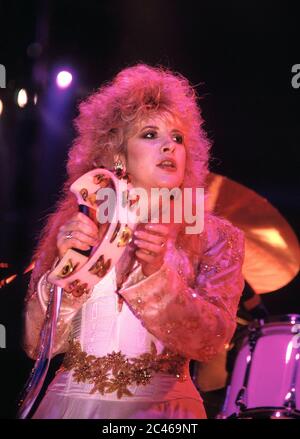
(178, 138)
(149, 135)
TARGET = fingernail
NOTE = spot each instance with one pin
(137, 233)
(149, 226)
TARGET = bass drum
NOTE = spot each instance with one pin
(266, 377)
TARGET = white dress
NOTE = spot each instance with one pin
(102, 329)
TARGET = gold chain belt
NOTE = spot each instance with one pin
(114, 372)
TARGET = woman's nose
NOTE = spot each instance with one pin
(168, 146)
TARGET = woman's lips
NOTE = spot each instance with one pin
(167, 168)
(168, 165)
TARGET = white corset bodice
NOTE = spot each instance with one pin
(101, 328)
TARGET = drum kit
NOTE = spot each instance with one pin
(265, 380)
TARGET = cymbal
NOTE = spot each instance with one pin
(271, 247)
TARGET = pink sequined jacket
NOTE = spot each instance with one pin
(190, 307)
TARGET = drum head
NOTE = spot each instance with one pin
(267, 413)
(284, 320)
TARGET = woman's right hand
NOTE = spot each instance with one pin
(78, 232)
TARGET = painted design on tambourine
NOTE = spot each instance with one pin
(67, 269)
(100, 268)
(78, 273)
(76, 288)
(84, 194)
(101, 180)
(92, 199)
(126, 237)
(115, 233)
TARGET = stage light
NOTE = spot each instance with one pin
(22, 98)
(35, 99)
(64, 79)
(7, 280)
(1, 107)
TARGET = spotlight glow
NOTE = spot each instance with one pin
(35, 99)
(64, 79)
(1, 107)
(22, 98)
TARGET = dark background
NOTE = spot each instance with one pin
(239, 56)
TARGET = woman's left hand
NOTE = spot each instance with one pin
(151, 243)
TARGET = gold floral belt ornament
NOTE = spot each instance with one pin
(78, 273)
(114, 372)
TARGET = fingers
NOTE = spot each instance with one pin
(79, 232)
(77, 235)
(159, 229)
(154, 233)
(150, 237)
(151, 242)
(78, 229)
(149, 247)
(81, 222)
(150, 259)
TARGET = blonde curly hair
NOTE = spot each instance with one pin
(103, 125)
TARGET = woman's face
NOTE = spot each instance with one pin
(156, 153)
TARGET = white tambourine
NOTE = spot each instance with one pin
(78, 273)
